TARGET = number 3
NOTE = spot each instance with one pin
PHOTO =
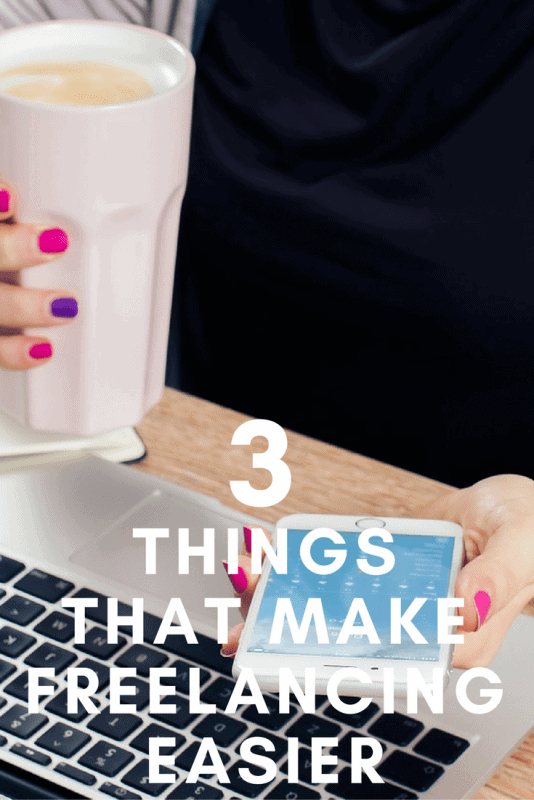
(270, 460)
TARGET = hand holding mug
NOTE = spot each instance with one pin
(26, 246)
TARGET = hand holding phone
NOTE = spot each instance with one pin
(358, 592)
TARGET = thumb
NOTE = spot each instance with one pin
(484, 586)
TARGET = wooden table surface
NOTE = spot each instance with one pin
(188, 442)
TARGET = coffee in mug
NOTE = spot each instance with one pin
(79, 83)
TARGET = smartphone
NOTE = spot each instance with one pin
(349, 579)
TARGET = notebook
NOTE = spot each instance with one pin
(66, 530)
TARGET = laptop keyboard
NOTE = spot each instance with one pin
(109, 752)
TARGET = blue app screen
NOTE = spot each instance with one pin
(422, 568)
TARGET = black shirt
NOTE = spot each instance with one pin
(357, 241)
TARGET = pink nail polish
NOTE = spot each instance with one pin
(482, 603)
(4, 201)
(238, 581)
(53, 240)
(41, 350)
(247, 535)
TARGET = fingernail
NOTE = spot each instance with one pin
(41, 350)
(4, 201)
(482, 603)
(238, 581)
(247, 535)
(53, 240)
(228, 655)
(64, 307)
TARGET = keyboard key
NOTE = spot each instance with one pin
(6, 669)
(237, 784)
(14, 642)
(141, 698)
(44, 586)
(105, 758)
(97, 645)
(195, 791)
(57, 626)
(19, 722)
(185, 759)
(305, 764)
(137, 778)
(9, 568)
(152, 731)
(309, 726)
(20, 610)
(101, 670)
(19, 687)
(218, 692)
(273, 720)
(410, 771)
(180, 718)
(345, 746)
(63, 739)
(280, 745)
(207, 652)
(396, 728)
(31, 754)
(181, 681)
(223, 730)
(142, 658)
(58, 705)
(367, 790)
(116, 726)
(292, 791)
(441, 746)
(75, 773)
(353, 720)
(118, 791)
(100, 612)
(50, 655)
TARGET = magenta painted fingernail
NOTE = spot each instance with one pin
(41, 350)
(64, 307)
(482, 603)
(247, 535)
(4, 201)
(228, 655)
(238, 581)
(53, 240)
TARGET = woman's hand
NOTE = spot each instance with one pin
(26, 246)
(497, 517)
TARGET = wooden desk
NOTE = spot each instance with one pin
(188, 442)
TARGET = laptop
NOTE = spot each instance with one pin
(66, 531)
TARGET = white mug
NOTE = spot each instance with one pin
(113, 177)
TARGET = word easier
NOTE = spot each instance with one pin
(261, 544)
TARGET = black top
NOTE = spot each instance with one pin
(357, 239)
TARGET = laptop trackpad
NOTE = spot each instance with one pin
(120, 558)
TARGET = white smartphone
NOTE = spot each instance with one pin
(349, 581)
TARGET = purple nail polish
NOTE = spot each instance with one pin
(247, 535)
(64, 307)
(238, 581)
(4, 201)
(53, 240)
(482, 603)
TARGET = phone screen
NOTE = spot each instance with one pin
(422, 568)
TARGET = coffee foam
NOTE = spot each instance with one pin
(75, 83)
